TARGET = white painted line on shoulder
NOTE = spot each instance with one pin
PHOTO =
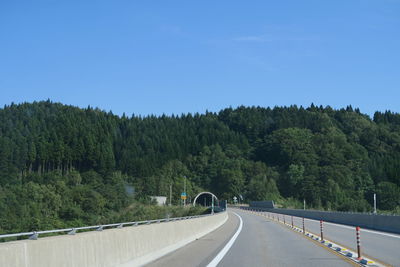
(228, 245)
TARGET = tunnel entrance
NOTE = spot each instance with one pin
(205, 199)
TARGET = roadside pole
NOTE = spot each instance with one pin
(184, 190)
(322, 230)
(358, 243)
(170, 194)
(212, 205)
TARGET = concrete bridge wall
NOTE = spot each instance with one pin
(128, 246)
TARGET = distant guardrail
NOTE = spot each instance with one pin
(74, 230)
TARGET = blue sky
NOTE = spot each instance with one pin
(154, 57)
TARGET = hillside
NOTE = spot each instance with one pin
(63, 165)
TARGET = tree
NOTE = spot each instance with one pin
(388, 195)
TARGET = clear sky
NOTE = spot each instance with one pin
(154, 57)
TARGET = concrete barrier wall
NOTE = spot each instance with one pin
(387, 223)
(129, 246)
(264, 204)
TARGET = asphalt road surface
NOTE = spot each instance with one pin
(261, 242)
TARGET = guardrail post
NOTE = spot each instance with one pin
(358, 243)
(322, 230)
(72, 232)
(34, 236)
(304, 227)
(292, 222)
(279, 219)
(284, 220)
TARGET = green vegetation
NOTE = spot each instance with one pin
(65, 166)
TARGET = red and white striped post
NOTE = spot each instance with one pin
(322, 230)
(304, 227)
(358, 243)
(292, 222)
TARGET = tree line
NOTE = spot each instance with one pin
(62, 165)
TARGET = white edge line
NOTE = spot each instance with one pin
(228, 245)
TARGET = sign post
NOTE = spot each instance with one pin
(184, 190)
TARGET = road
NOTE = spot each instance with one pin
(261, 242)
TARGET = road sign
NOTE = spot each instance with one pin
(183, 195)
(234, 199)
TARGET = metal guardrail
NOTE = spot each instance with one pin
(72, 231)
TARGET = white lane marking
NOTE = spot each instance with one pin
(350, 227)
(228, 245)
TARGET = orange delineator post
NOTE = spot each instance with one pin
(358, 243)
(322, 230)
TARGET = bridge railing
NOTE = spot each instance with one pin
(72, 231)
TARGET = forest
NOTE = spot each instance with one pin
(62, 165)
